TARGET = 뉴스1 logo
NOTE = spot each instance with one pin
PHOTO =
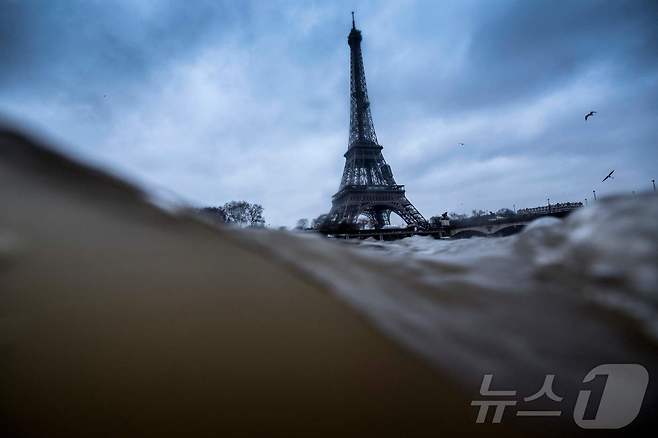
(620, 402)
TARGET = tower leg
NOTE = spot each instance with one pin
(382, 217)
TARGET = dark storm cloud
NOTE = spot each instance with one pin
(226, 100)
(514, 50)
(533, 47)
(87, 43)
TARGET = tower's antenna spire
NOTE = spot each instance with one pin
(353, 25)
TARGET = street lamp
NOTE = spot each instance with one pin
(586, 202)
(594, 191)
(653, 181)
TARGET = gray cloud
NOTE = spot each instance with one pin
(230, 100)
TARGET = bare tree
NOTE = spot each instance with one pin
(302, 224)
(244, 214)
(255, 215)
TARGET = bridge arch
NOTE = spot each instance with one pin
(508, 231)
(467, 234)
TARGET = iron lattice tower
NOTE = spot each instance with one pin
(367, 186)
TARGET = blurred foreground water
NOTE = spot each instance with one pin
(120, 318)
(554, 299)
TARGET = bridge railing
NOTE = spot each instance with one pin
(547, 209)
(522, 215)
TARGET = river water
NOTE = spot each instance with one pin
(558, 298)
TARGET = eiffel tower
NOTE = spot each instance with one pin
(367, 187)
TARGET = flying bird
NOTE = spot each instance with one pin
(461, 144)
(589, 114)
(609, 175)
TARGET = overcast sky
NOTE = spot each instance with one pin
(217, 101)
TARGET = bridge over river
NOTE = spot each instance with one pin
(484, 226)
